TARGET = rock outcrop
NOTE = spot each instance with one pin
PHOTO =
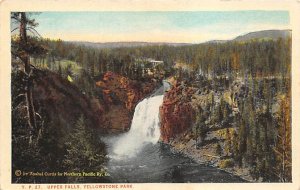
(176, 112)
(110, 112)
(202, 122)
(120, 95)
(195, 120)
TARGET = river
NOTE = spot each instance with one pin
(138, 157)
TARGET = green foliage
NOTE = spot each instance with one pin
(84, 150)
(255, 144)
(58, 148)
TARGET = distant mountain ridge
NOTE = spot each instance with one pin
(264, 34)
(102, 45)
(268, 34)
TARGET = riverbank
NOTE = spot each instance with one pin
(205, 155)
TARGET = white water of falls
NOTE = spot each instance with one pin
(144, 128)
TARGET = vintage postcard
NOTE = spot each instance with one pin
(142, 95)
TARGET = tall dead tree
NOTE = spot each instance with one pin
(29, 82)
(23, 48)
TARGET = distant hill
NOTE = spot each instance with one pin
(217, 41)
(126, 44)
(264, 34)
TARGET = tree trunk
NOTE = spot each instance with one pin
(29, 81)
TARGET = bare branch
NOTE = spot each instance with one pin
(38, 115)
(30, 29)
(16, 18)
(19, 95)
(16, 55)
(20, 105)
(14, 29)
(279, 153)
(31, 32)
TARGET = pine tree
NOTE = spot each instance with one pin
(283, 147)
(242, 137)
(84, 151)
(59, 69)
(228, 143)
(22, 49)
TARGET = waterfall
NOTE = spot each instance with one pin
(144, 128)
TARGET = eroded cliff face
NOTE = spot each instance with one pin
(201, 120)
(197, 121)
(120, 96)
(109, 112)
(177, 114)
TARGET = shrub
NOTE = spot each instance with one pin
(227, 163)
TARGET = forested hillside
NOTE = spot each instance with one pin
(235, 112)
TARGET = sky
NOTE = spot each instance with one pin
(188, 27)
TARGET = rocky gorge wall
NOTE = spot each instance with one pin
(63, 102)
(177, 114)
(120, 95)
(201, 121)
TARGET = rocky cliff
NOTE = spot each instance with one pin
(120, 96)
(62, 102)
(206, 121)
(177, 114)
